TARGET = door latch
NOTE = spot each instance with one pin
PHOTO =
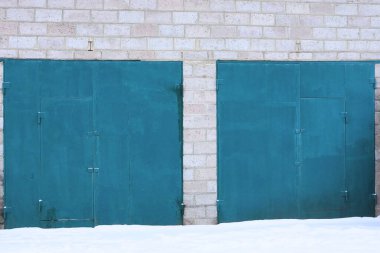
(345, 195)
(40, 116)
(40, 205)
(93, 170)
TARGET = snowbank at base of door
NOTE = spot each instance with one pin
(359, 235)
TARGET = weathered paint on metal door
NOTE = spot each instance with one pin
(323, 114)
(360, 141)
(257, 105)
(66, 149)
(318, 173)
(21, 138)
(322, 170)
(80, 167)
(145, 138)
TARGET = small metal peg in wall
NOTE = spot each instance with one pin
(298, 45)
(90, 44)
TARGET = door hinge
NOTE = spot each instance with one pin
(40, 116)
(345, 117)
(219, 82)
(6, 85)
(372, 81)
(182, 208)
(345, 195)
(93, 170)
(179, 89)
(6, 211)
(374, 196)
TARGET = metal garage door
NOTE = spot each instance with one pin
(92, 142)
(295, 140)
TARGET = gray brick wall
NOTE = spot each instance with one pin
(198, 32)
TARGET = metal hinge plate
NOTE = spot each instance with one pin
(374, 196)
(219, 82)
(179, 87)
(372, 81)
(6, 85)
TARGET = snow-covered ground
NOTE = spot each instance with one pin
(357, 235)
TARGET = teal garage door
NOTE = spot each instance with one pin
(92, 143)
(295, 140)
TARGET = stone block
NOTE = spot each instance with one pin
(104, 16)
(206, 199)
(273, 7)
(89, 4)
(33, 28)
(160, 43)
(191, 161)
(346, 9)
(76, 15)
(48, 15)
(22, 42)
(20, 14)
(61, 4)
(170, 5)
(158, 17)
(144, 30)
(143, 4)
(131, 17)
(322, 8)
(171, 30)
(122, 30)
(116, 4)
(197, 31)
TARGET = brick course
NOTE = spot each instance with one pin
(197, 32)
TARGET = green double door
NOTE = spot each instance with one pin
(93, 142)
(295, 140)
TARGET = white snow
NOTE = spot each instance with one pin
(359, 235)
